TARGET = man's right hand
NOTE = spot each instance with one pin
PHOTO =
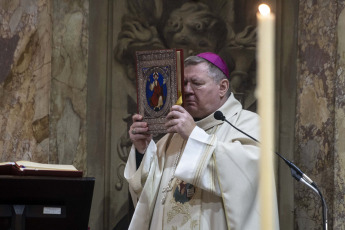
(138, 133)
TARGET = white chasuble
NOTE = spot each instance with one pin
(183, 207)
(215, 182)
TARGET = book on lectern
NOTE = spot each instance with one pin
(28, 168)
(159, 85)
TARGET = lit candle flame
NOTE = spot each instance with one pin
(264, 9)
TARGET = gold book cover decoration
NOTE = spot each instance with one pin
(159, 85)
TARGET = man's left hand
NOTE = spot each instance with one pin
(180, 121)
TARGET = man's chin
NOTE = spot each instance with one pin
(190, 109)
(194, 112)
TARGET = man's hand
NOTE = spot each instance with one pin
(180, 121)
(138, 133)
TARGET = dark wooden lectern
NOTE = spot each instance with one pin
(37, 202)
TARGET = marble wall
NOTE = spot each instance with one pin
(25, 80)
(319, 147)
(68, 82)
(43, 76)
(339, 146)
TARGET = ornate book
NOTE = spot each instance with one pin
(28, 168)
(159, 85)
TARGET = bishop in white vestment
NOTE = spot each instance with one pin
(207, 179)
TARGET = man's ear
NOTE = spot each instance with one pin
(224, 85)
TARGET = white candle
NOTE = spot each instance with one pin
(265, 92)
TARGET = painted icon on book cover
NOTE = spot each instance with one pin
(156, 91)
(158, 74)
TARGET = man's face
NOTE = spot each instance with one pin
(202, 95)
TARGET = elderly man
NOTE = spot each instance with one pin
(203, 174)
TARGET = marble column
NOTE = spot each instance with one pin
(339, 146)
(68, 84)
(315, 111)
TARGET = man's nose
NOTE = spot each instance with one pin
(187, 88)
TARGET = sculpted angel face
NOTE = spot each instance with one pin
(195, 29)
